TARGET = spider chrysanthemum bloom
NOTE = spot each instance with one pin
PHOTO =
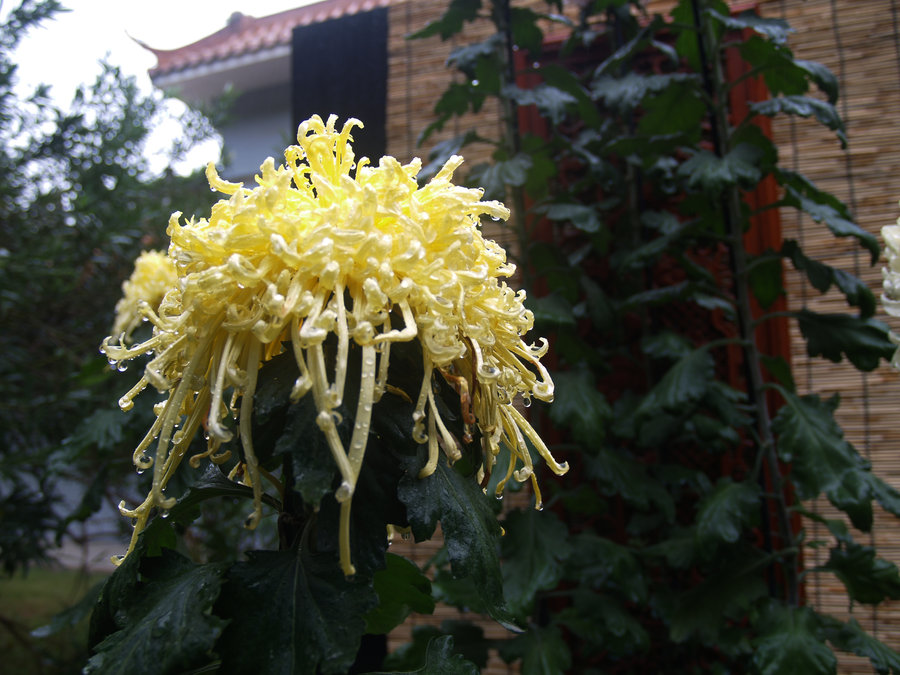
(325, 246)
(890, 297)
(154, 274)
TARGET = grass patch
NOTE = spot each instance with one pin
(30, 601)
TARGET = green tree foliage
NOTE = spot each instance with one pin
(79, 202)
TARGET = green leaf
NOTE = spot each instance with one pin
(728, 591)
(494, 178)
(552, 309)
(712, 174)
(619, 474)
(602, 620)
(167, 622)
(850, 637)
(526, 32)
(401, 588)
(542, 650)
(533, 547)
(792, 642)
(601, 564)
(803, 106)
(682, 387)
(813, 442)
(722, 514)
(212, 484)
(582, 216)
(441, 660)
(623, 94)
(313, 614)
(824, 207)
(458, 13)
(677, 111)
(468, 641)
(822, 76)
(822, 276)
(776, 30)
(863, 341)
(579, 406)
(551, 102)
(867, 578)
(471, 531)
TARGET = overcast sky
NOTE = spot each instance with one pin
(65, 52)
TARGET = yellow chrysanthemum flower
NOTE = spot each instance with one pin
(325, 246)
(154, 274)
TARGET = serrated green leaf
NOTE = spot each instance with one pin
(776, 30)
(582, 216)
(212, 484)
(526, 32)
(542, 650)
(854, 497)
(676, 113)
(712, 174)
(468, 640)
(822, 76)
(602, 564)
(803, 106)
(813, 442)
(401, 588)
(617, 473)
(722, 514)
(865, 342)
(824, 207)
(850, 637)
(822, 276)
(471, 531)
(168, 621)
(792, 642)
(458, 13)
(314, 614)
(552, 309)
(579, 406)
(727, 591)
(494, 178)
(553, 103)
(626, 92)
(683, 385)
(602, 620)
(533, 549)
(440, 659)
(867, 578)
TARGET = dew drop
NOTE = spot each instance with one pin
(164, 514)
(122, 367)
(140, 472)
(526, 401)
(499, 497)
(118, 558)
(540, 507)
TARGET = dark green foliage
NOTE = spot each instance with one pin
(677, 553)
(313, 614)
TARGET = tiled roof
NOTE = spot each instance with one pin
(247, 34)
